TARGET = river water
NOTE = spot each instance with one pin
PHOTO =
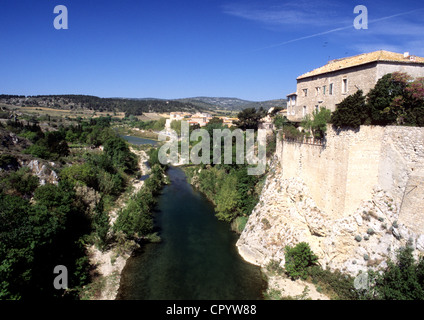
(197, 258)
(137, 140)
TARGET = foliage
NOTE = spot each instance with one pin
(280, 121)
(298, 259)
(120, 155)
(249, 118)
(380, 98)
(135, 220)
(128, 106)
(402, 279)
(351, 112)
(51, 146)
(227, 199)
(317, 123)
(81, 173)
(20, 182)
(290, 132)
(337, 285)
(396, 99)
(37, 236)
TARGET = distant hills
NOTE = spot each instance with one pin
(232, 104)
(138, 106)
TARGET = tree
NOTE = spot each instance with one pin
(413, 103)
(227, 199)
(380, 98)
(298, 259)
(249, 119)
(121, 156)
(400, 280)
(279, 121)
(317, 123)
(351, 112)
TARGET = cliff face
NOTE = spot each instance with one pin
(343, 238)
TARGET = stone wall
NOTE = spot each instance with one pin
(355, 200)
(344, 171)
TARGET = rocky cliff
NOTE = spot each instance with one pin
(349, 241)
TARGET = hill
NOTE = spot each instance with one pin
(232, 104)
(77, 102)
(138, 106)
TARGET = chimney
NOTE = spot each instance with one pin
(406, 55)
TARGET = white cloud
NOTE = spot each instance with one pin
(295, 14)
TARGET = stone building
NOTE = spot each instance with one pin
(330, 84)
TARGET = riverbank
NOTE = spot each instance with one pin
(108, 265)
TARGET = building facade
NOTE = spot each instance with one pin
(330, 84)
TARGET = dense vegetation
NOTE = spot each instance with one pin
(42, 226)
(402, 279)
(396, 99)
(136, 220)
(129, 106)
(249, 118)
(229, 186)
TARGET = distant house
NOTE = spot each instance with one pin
(330, 84)
(201, 119)
(175, 116)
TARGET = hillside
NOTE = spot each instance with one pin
(77, 102)
(137, 106)
(232, 104)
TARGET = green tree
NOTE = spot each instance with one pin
(298, 259)
(22, 182)
(351, 112)
(81, 173)
(227, 199)
(121, 156)
(402, 279)
(317, 123)
(380, 99)
(280, 121)
(249, 119)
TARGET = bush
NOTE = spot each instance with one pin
(21, 181)
(335, 284)
(351, 112)
(317, 123)
(298, 259)
(400, 280)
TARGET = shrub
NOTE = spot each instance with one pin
(400, 280)
(298, 259)
(335, 284)
(317, 123)
(351, 112)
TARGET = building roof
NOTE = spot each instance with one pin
(382, 55)
(292, 94)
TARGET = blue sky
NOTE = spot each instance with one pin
(252, 50)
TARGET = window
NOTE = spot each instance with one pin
(344, 86)
(304, 110)
(318, 89)
(330, 89)
(324, 90)
(317, 108)
(305, 92)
